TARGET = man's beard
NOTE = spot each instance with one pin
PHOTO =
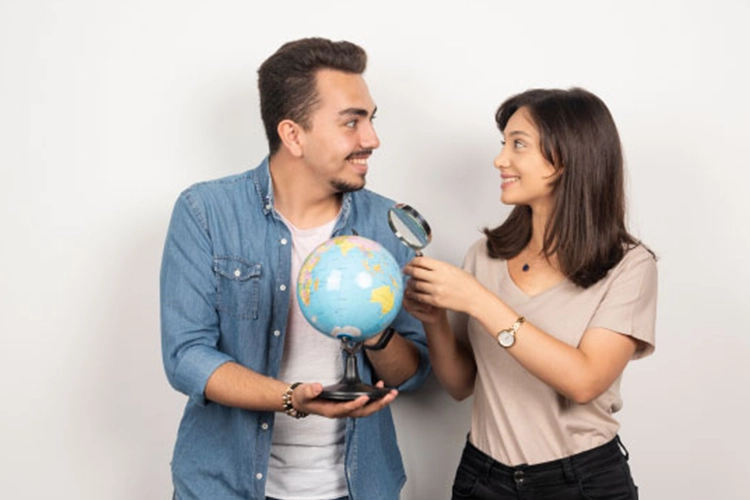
(346, 187)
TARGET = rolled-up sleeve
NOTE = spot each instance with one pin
(189, 320)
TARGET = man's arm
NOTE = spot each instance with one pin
(190, 332)
(395, 363)
(234, 385)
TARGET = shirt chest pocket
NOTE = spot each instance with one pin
(238, 288)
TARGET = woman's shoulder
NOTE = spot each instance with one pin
(478, 249)
(478, 255)
(638, 259)
(638, 254)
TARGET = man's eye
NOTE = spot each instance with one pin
(351, 124)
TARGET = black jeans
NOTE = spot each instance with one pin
(598, 474)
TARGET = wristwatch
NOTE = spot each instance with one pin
(382, 341)
(507, 337)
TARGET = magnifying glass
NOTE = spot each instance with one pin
(409, 227)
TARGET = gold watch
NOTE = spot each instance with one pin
(507, 337)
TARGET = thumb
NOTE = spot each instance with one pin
(311, 391)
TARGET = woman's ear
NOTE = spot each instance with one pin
(292, 136)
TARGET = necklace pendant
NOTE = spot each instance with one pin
(525, 267)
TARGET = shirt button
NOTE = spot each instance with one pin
(237, 273)
(282, 287)
(268, 206)
(264, 426)
(276, 333)
(259, 476)
(284, 241)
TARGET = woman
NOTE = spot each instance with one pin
(551, 305)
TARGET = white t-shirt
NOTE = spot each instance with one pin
(307, 455)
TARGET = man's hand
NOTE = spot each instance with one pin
(304, 400)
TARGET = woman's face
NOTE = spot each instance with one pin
(526, 176)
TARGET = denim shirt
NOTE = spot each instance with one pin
(225, 296)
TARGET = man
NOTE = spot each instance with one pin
(233, 337)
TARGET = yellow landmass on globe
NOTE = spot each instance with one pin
(383, 296)
(344, 245)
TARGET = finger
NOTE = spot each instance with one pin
(421, 297)
(348, 407)
(418, 285)
(420, 264)
(418, 273)
(308, 392)
(337, 409)
(415, 308)
(376, 405)
(424, 262)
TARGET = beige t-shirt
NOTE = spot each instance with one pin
(518, 419)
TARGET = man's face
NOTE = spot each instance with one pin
(341, 136)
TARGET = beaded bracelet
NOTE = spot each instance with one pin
(287, 398)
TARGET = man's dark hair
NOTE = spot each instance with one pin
(586, 228)
(287, 80)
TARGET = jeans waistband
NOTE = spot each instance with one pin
(568, 468)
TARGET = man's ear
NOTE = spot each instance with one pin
(291, 135)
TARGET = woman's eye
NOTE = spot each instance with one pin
(518, 144)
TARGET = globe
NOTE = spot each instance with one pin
(350, 287)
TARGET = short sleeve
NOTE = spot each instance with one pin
(629, 304)
(458, 321)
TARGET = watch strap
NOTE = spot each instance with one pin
(382, 341)
(502, 335)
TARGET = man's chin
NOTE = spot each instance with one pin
(347, 187)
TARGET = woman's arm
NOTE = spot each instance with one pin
(452, 359)
(579, 373)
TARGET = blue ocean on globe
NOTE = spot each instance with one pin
(350, 286)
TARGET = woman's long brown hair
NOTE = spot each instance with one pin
(586, 230)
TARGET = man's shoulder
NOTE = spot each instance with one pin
(221, 184)
(228, 190)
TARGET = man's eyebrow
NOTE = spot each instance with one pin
(357, 112)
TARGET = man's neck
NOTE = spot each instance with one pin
(301, 201)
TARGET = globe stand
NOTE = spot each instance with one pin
(351, 386)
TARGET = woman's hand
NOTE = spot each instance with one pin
(435, 286)
(427, 314)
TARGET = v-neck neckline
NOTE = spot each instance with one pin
(527, 295)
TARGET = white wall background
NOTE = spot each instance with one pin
(109, 109)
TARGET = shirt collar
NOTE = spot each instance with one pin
(264, 187)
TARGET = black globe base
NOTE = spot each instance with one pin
(347, 391)
(351, 386)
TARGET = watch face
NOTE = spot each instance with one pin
(506, 338)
